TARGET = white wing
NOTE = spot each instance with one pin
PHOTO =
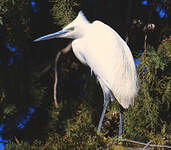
(110, 59)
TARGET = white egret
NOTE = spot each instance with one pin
(107, 54)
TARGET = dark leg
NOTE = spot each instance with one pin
(106, 94)
(120, 124)
(102, 115)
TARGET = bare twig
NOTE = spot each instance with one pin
(67, 49)
(45, 69)
(56, 78)
(145, 41)
(13, 2)
(63, 51)
(145, 144)
(132, 141)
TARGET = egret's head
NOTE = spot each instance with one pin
(74, 30)
(77, 26)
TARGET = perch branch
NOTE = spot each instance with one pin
(63, 51)
(145, 144)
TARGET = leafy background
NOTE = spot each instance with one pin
(28, 117)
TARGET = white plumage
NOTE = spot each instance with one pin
(109, 57)
(105, 52)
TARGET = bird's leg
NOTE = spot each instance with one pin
(106, 94)
(120, 124)
(106, 102)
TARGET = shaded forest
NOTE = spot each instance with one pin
(28, 117)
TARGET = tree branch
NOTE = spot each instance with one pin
(145, 144)
(56, 78)
(63, 51)
(45, 69)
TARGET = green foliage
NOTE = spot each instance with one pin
(63, 11)
(15, 79)
(80, 133)
(16, 22)
(72, 125)
(150, 115)
(18, 146)
(9, 111)
(38, 90)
